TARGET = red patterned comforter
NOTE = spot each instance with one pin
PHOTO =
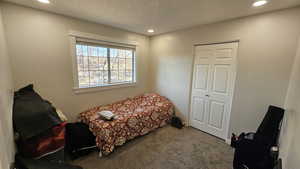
(134, 117)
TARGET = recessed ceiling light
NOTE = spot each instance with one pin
(150, 30)
(260, 3)
(44, 1)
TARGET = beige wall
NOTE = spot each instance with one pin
(6, 101)
(39, 46)
(290, 151)
(265, 56)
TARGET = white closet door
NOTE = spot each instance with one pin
(212, 89)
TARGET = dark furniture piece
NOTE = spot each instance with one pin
(253, 150)
(79, 140)
(39, 131)
(26, 163)
(56, 157)
(278, 164)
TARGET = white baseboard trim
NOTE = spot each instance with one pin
(228, 141)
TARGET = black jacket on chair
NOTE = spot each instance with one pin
(252, 150)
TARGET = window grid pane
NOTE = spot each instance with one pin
(101, 66)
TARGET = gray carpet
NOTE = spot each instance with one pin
(165, 148)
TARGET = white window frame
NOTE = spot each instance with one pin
(75, 35)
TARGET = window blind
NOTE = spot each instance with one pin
(103, 63)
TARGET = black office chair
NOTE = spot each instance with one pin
(253, 150)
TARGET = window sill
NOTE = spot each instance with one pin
(102, 88)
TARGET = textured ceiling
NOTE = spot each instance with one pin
(161, 15)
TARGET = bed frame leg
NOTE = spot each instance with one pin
(100, 153)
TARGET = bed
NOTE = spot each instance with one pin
(134, 117)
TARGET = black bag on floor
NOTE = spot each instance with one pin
(79, 139)
(176, 122)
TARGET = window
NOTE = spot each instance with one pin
(103, 64)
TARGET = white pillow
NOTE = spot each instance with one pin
(106, 114)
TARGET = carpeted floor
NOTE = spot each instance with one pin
(165, 148)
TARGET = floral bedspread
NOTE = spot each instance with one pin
(134, 117)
